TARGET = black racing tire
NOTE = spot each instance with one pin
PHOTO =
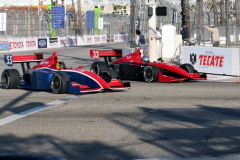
(59, 82)
(187, 67)
(97, 67)
(150, 73)
(108, 75)
(10, 78)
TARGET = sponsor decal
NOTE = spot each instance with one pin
(89, 39)
(30, 44)
(4, 46)
(72, 41)
(16, 45)
(104, 38)
(53, 40)
(193, 59)
(209, 59)
(97, 39)
(42, 43)
(63, 42)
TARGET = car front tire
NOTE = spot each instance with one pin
(150, 73)
(187, 67)
(59, 82)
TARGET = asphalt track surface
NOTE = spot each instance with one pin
(151, 120)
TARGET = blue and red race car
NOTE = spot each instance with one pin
(51, 74)
(134, 66)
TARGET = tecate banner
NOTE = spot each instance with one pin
(212, 59)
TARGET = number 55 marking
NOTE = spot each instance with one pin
(8, 59)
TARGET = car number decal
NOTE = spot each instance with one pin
(8, 59)
(96, 55)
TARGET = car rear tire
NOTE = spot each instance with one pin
(150, 73)
(59, 82)
(187, 67)
(97, 67)
(108, 75)
(10, 79)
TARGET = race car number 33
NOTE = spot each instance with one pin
(8, 59)
(95, 55)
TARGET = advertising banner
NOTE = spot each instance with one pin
(4, 46)
(89, 19)
(96, 39)
(122, 38)
(58, 14)
(63, 42)
(53, 42)
(72, 41)
(212, 59)
(17, 44)
(31, 44)
(3, 21)
(42, 43)
(88, 39)
(97, 15)
(103, 38)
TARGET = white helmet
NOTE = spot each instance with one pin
(145, 59)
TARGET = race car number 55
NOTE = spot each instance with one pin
(8, 59)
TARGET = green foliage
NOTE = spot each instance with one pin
(119, 9)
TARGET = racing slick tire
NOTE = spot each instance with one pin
(150, 73)
(10, 79)
(97, 67)
(59, 82)
(108, 75)
(187, 67)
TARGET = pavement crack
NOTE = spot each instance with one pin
(213, 130)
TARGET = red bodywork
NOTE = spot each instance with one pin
(135, 59)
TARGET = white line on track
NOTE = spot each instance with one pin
(34, 110)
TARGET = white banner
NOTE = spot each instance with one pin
(100, 23)
(96, 39)
(72, 41)
(212, 59)
(103, 38)
(63, 42)
(17, 44)
(3, 19)
(31, 44)
(88, 39)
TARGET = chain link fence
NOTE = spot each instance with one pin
(30, 22)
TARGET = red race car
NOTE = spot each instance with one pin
(52, 74)
(136, 67)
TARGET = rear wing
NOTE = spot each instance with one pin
(96, 54)
(10, 59)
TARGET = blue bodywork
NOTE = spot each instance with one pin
(40, 79)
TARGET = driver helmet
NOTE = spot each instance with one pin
(145, 59)
(60, 65)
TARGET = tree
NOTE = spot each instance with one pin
(222, 13)
(54, 2)
(185, 13)
(200, 13)
(79, 28)
(215, 13)
(237, 12)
